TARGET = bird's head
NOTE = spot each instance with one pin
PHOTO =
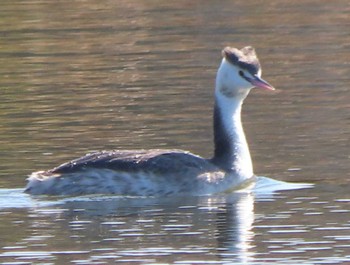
(239, 72)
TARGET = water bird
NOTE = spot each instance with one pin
(160, 172)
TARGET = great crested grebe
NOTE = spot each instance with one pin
(171, 172)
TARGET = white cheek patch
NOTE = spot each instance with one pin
(259, 72)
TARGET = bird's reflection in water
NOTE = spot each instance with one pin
(220, 226)
(234, 228)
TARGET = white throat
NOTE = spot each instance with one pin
(231, 148)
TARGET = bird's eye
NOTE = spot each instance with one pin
(241, 73)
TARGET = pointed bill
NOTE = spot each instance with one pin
(261, 83)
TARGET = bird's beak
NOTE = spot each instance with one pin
(259, 82)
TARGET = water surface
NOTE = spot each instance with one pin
(78, 76)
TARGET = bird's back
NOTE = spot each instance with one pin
(134, 172)
(156, 161)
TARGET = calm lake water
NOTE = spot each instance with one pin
(78, 76)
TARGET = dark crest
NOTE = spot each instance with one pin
(245, 58)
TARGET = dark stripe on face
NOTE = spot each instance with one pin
(245, 58)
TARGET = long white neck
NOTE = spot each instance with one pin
(231, 148)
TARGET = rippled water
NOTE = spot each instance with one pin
(78, 76)
(245, 228)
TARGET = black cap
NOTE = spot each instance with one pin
(245, 58)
